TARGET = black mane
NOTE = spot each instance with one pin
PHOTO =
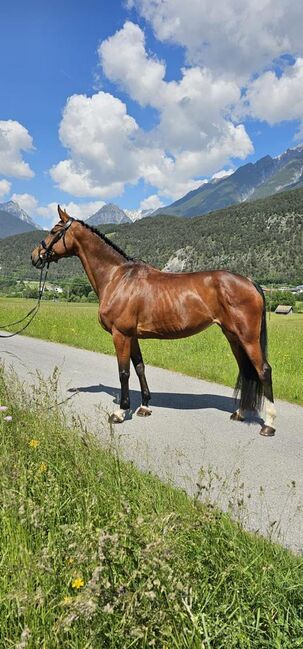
(106, 240)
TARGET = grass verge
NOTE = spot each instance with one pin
(206, 355)
(96, 555)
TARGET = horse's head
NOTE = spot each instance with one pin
(57, 244)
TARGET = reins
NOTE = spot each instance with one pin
(44, 260)
(33, 312)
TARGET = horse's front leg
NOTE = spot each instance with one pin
(137, 360)
(122, 345)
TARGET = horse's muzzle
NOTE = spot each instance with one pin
(38, 260)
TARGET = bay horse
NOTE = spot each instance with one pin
(137, 301)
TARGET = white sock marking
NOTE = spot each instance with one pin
(269, 413)
(119, 415)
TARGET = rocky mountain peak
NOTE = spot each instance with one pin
(12, 207)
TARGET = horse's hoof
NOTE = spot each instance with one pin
(267, 431)
(143, 411)
(117, 417)
(236, 416)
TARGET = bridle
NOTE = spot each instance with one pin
(49, 255)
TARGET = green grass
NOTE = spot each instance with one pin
(206, 355)
(95, 555)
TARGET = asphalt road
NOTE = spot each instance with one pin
(189, 437)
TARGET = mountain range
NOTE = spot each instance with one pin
(14, 220)
(266, 177)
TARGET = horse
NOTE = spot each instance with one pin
(139, 301)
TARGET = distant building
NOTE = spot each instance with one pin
(53, 288)
(284, 309)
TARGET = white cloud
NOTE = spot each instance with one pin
(99, 134)
(231, 37)
(125, 60)
(80, 211)
(195, 136)
(274, 99)
(152, 202)
(224, 173)
(5, 187)
(108, 149)
(27, 202)
(196, 133)
(171, 177)
(30, 204)
(14, 139)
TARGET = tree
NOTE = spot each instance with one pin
(274, 298)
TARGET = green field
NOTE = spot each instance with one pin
(206, 355)
(96, 555)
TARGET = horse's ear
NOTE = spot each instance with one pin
(63, 215)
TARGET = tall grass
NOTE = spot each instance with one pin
(96, 555)
(207, 355)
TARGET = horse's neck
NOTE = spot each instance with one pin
(98, 259)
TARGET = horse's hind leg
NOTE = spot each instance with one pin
(137, 360)
(254, 381)
(263, 370)
(123, 346)
(239, 414)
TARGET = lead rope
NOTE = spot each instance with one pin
(32, 313)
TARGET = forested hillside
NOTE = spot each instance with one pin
(262, 239)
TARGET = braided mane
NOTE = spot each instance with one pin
(106, 240)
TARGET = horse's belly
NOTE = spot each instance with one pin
(154, 330)
(174, 315)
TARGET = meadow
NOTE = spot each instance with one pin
(207, 355)
(96, 555)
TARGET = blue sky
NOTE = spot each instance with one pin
(137, 102)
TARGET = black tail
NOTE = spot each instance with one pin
(263, 334)
(249, 387)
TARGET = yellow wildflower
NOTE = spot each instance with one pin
(34, 443)
(42, 467)
(77, 583)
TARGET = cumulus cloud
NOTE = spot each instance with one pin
(27, 202)
(192, 111)
(5, 187)
(196, 130)
(140, 75)
(99, 135)
(196, 133)
(232, 37)
(31, 205)
(152, 202)
(14, 138)
(275, 98)
(80, 211)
